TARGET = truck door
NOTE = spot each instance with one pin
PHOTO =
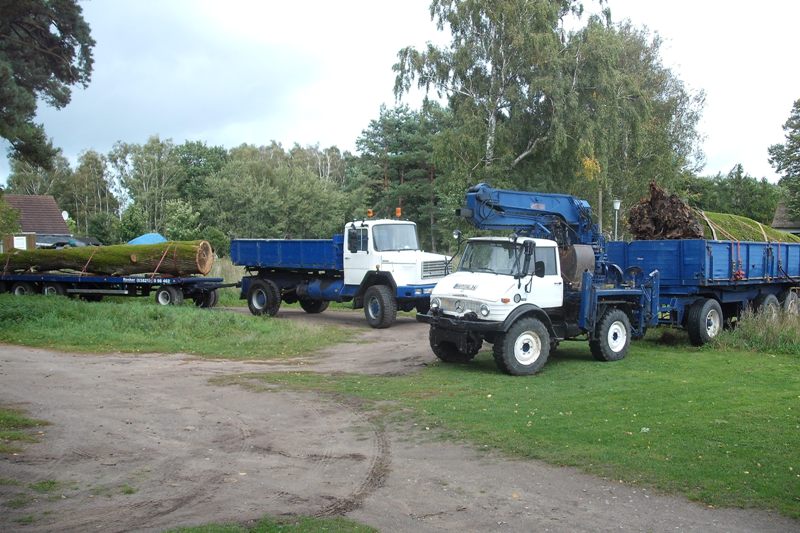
(357, 256)
(547, 291)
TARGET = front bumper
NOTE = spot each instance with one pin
(468, 323)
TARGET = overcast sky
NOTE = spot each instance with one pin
(316, 72)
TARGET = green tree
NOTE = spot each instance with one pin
(31, 178)
(735, 192)
(150, 173)
(500, 55)
(785, 158)
(45, 48)
(198, 161)
(182, 222)
(104, 227)
(397, 166)
(87, 191)
(132, 223)
(9, 217)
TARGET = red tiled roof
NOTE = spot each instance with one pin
(38, 214)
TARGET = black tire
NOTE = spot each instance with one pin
(613, 336)
(54, 289)
(91, 297)
(448, 352)
(264, 297)
(22, 288)
(169, 295)
(767, 304)
(423, 306)
(380, 307)
(790, 303)
(524, 349)
(704, 321)
(207, 300)
(3, 287)
(314, 306)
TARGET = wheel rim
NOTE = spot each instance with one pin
(527, 348)
(791, 308)
(259, 299)
(19, 290)
(374, 308)
(49, 290)
(713, 323)
(617, 336)
(164, 298)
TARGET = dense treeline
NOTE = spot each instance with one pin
(519, 102)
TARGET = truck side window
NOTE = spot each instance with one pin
(548, 257)
(358, 240)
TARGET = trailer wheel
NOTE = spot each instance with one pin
(523, 350)
(313, 306)
(22, 288)
(3, 287)
(613, 336)
(380, 308)
(423, 306)
(207, 300)
(448, 352)
(264, 297)
(169, 295)
(54, 289)
(768, 305)
(704, 321)
(790, 303)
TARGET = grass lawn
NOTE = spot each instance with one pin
(719, 427)
(15, 429)
(284, 525)
(63, 323)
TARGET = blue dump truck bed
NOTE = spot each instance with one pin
(702, 263)
(302, 254)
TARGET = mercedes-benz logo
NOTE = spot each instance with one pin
(459, 306)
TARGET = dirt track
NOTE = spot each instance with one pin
(195, 453)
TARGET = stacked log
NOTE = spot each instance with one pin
(176, 258)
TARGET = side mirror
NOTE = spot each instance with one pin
(538, 269)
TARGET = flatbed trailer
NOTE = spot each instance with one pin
(705, 284)
(168, 290)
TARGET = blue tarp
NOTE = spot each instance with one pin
(148, 238)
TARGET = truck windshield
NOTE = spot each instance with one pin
(504, 258)
(395, 237)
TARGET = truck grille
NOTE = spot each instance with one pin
(464, 306)
(433, 269)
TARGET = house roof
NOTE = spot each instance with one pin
(38, 214)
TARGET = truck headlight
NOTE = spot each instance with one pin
(484, 310)
(436, 303)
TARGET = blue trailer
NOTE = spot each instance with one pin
(705, 284)
(168, 290)
(378, 267)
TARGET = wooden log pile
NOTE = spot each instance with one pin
(176, 258)
(663, 216)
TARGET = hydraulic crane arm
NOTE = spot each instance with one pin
(559, 217)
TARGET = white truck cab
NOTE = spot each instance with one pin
(495, 276)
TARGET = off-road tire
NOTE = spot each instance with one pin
(448, 352)
(169, 295)
(380, 307)
(313, 306)
(22, 288)
(263, 297)
(704, 321)
(523, 349)
(423, 306)
(613, 336)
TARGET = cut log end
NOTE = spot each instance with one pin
(205, 257)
